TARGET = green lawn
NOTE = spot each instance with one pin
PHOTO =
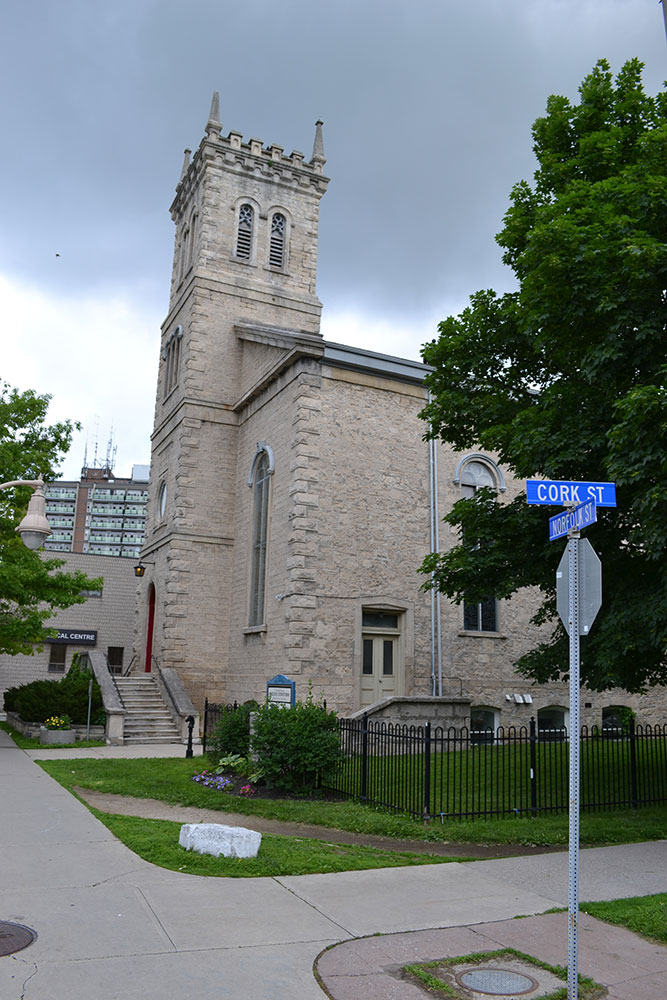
(157, 841)
(170, 780)
(645, 915)
(32, 743)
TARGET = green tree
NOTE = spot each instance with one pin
(565, 378)
(31, 588)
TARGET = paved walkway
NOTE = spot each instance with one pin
(113, 927)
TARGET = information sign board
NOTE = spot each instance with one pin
(280, 690)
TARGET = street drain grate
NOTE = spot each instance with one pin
(497, 982)
(15, 937)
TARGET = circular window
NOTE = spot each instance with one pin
(162, 500)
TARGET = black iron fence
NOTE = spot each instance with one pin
(213, 712)
(459, 774)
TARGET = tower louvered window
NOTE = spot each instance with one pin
(171, 355)
(244, 235)
(277, 244)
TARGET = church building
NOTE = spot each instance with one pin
(292, 496)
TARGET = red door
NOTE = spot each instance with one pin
(149, 629)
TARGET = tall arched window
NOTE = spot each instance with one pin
(244, 232)
(277, 242)
(473, 473)
(260, 482)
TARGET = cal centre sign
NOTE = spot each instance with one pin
(560, 491)
(75, 636)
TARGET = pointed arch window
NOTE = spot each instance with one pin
(472, 473)
(193, 237)
(171, 355)
(259, 480)
(277, 241)
(184, 254)
(244, 232)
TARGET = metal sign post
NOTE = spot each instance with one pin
(584, 597)
(573, 893)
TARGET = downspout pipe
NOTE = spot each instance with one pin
(436, 597)
(431, 543)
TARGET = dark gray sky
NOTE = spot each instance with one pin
(427, 104)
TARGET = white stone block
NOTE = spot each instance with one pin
(216, 839)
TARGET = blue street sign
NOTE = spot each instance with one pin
(559, 491)
(583, 515)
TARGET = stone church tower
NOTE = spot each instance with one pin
(242, 288)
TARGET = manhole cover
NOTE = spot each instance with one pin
(14, 937)
(497, 982)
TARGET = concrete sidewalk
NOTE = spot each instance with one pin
(113, 927)
(100, 753)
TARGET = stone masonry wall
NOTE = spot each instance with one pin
(287, 419)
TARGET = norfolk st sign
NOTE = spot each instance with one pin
(572, 520)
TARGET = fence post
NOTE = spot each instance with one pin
(533, 768)
(364, 754)
(427, 771)
(203, 739)
(633, 764)
(191, 725)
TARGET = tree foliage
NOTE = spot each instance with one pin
(31, 588)
(565, 378)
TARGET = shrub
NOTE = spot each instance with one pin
(37, 701)
(296, 748)
(74, 694)
(10, 699)
(232, 733)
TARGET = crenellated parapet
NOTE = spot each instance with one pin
(249, 159)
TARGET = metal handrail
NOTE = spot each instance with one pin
(113, 678)
(165, 687)
(128, 669)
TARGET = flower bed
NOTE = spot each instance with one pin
(233, 784)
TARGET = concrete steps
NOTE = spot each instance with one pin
(147, 718)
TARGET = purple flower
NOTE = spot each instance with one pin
(212, 781)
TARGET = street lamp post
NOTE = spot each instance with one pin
(34, 529)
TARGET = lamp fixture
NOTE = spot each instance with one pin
(34, 529)
(140, 568)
